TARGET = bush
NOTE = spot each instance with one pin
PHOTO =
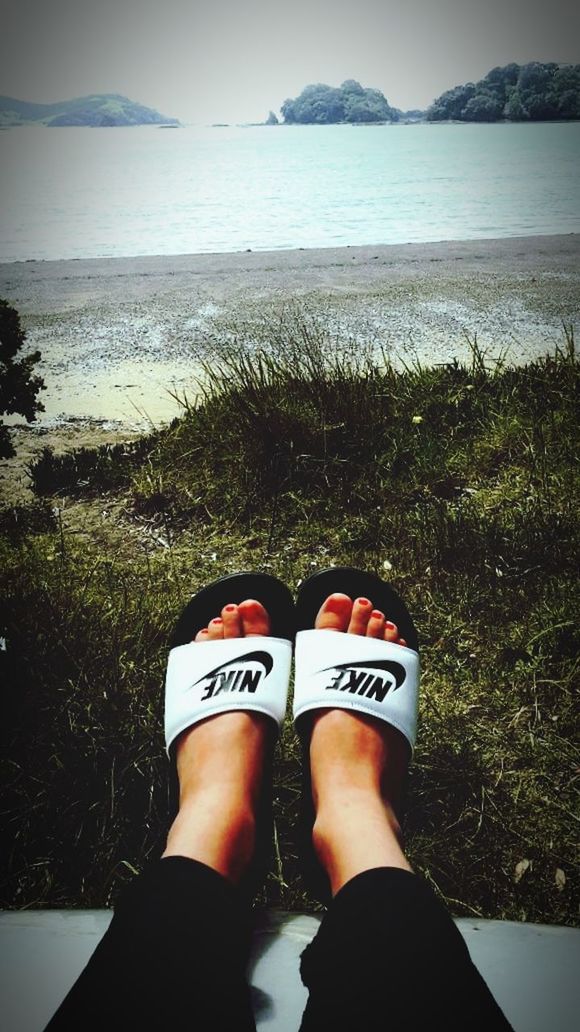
(18, 386)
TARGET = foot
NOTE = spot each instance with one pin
(358, 766)
(220, 762)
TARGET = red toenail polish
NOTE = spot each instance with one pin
(230, 609)
(390, 625)
(363, 601)
(376, 614)
(217, 619)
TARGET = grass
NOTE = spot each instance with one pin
(457, 482)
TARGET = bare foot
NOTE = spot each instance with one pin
(220, 762)
(358, 766)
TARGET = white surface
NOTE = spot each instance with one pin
(533, 970)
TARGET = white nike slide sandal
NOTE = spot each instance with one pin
(245, 674)
(348, 671)
(211, 677)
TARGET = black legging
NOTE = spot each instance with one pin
(387, 956)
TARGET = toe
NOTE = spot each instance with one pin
(215, 629)
(201, 635)
(361, 612)
(334, 614)
(232, 621)
(254, 618)
(391, 632)
(376, 624)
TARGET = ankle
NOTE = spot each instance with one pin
(354, 811)
(357, 835)
(217, 828)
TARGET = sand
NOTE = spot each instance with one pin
(119, 336)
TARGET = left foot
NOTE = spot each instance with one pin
(358, 766)
(220, 762)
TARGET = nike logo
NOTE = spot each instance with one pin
(242, 674)
(361, 678)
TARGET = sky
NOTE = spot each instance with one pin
(234, 60)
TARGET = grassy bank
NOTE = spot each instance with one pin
(457, 483)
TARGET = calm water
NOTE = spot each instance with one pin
(72, 193)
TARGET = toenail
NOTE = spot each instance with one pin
(217, 619)
(390, 625)
(377, 615)
(230, 609)
(363, 602)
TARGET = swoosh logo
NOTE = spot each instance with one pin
(396, 670)
(264, 658)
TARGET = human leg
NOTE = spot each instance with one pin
(178, 944)
(387, 955)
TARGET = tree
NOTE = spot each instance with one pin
(483, 107)
(271, 119)
(452, 103)
(18, 385)
(569, 104)
(514, 109)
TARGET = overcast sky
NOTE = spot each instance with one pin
(233, 60)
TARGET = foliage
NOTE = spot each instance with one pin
(459, 479)
(351, 102)
(532, 92)
(18, 385)
(272, 119)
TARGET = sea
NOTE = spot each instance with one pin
(92, 193)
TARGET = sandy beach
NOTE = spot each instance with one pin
(119, 335)
(116, 334)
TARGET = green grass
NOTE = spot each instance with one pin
(458, 480)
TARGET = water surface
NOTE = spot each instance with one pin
(71, 193)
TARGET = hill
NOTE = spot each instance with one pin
(98, 109)
(533, 92)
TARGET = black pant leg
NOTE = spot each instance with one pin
(388, 956)
(173, 957)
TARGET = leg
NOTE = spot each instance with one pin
(177, 948)
(387, 955)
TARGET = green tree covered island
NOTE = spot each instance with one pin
(320, 104)
(533, 92)
(100, 109)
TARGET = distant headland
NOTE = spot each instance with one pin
(96, 110)
(533, 92)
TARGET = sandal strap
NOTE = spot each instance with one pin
(349, 671)
(210, 677)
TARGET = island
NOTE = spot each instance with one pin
(319, 104)
(96, 110)
(533, 92)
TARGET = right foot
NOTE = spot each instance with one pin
(358, 766)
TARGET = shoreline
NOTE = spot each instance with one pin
(476, 248)
(117, 334)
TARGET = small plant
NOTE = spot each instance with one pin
(18, 384)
